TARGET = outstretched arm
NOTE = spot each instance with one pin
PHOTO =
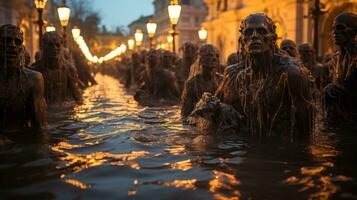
(39, 116)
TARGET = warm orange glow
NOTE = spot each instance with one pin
(64, 13)
(40, 4)
(151, 28)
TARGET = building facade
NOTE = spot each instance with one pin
(292, 18)
(193, 14)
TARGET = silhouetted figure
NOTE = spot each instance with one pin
(232, 59)
(309, 60)
(83, 68)
(22, 104)
(340, 96)
(61, 79)
(204, 80)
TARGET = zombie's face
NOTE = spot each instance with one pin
(51, 45)
(167, 58)
(307, 53)
(289, 47)
(344, 29)
(153, 58)
(258, 34)
(11, 48)
(189, 50)
(208, 58)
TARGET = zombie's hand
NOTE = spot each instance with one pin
(335, 90)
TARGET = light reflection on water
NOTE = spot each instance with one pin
(112, 148)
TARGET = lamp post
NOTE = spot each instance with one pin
(170, 39)
(76, 32)
(151, 29)
(202, 34)
(174, 10)
(131, 43)
(50, 28)
(64, 13)
(138, 38)
(316, 13)
(40, 5)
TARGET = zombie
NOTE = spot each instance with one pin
(290, 48)
(317, 70)
(61, 79)
(204, 80)
(27, 59)
(189, 57)
(22, 103)
(157, 81)
(268, 87)
(137, 69)
(212, 116)
(168, 60)
(232, 59)
(340, 96)
(83, 69)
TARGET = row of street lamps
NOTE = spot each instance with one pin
(64, 13)
(174, 10)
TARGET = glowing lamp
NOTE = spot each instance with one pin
(76, 32)
(151, 28)
(174, 12)
(202, 34)
(64, 13)
(131, 44)
(138, 37)
(50, 28)
(40, 4)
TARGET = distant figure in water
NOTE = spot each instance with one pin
(267, 86)
(204, 80)
(157, 82)
(232, 59)
(340, 96)
(309, 60)
(61, 78)
(290, 48)
(22, 104)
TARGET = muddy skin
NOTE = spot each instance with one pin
(189, 56)
(158, 82)
(213, 117)
(340, 96)
(61, 78)
(271, 90)
(290, 47)
(22, 103)
(318, 71)
(204, 81)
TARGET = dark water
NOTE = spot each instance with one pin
(112, 148)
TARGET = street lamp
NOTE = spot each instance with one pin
(131, 43)
(50, 28)
(151, 28)
(123, 48)
(40, 5)
(76, 32)
(202, 34)
(64, 13)
(174, 13)
(138, 37)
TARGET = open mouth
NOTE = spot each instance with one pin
(255, 45)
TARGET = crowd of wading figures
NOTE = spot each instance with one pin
(263, 89)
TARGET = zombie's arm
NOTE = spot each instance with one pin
(187, 100)
(39, 116)
(302, 109)
(73, 84)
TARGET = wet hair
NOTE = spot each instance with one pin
(12, 29)
(349, 18)
(50, 37)
(208, 48)
(268, 20)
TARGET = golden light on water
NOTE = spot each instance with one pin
(186, 184)
(182, 165)
(77, 184)
(224, 181)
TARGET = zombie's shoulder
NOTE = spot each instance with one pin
(34, 77)
(70, 67)
(36, 66)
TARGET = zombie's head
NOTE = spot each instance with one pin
(11, 48)
(232, 59)
(153, 58)
(308, 54)
(189, 50)
(258, 34)
(344, 28)
(289, 47)
(167, 58)
(208, 58)
(27, 59)
(52, 48)
(136, 58)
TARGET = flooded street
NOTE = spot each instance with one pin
(112, 148)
